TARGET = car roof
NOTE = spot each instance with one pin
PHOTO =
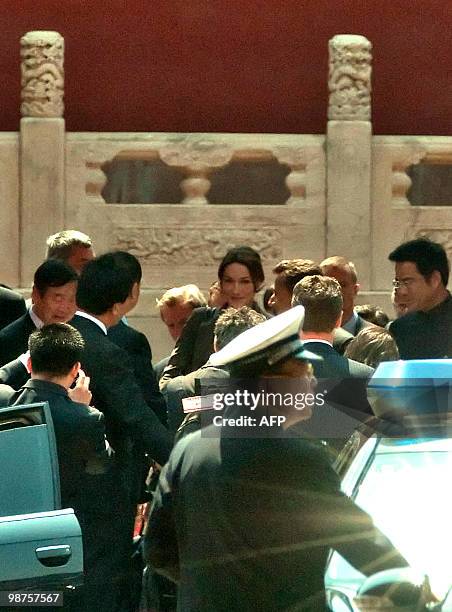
(413, 445)
(407, 372)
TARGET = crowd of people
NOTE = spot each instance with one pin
(242, 516)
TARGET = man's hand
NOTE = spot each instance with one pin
(81, 393)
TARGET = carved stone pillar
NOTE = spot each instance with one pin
(42, 55)
(42, 146)
(349, 139)
(349, 78)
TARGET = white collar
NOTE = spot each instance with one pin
(92, 318)
(308, 340)
(24, 360)
(34, 317)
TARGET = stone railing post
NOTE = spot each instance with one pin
(349, 140)
(197, 155)
(42, 146)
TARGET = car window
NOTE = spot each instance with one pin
(407, 493)
(40, 543)
(28, 456)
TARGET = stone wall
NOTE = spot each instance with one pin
(344, 193)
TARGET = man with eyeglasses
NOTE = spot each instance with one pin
(421, 276)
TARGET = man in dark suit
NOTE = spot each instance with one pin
(89, 483)
(230, 324)
(76, 250)
(176, 306)
(106, 292)
(139, 350)
(12, 306)
(288, 273)
(53, 296)
(421, 277)
(345, 273)
(244, 519)
(343, 379)
(54, 362)
(137, 345)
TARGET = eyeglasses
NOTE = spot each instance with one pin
(405, 283)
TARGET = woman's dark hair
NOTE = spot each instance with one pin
(248, 257)
(372, 313)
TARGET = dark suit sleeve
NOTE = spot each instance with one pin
(14, 339)
(341, 338)
(147, 379)
(138, 348)
(92, 426)
(161, 550)
(351, 391)
(14, 374)
(12, 306)
(87, 432)
(181, 358)
(175, 391)
(113, 384)
(159, 367)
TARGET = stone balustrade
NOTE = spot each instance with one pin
(346, 192)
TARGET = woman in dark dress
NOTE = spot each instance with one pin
(241, 275)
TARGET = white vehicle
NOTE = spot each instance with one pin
(401, 477)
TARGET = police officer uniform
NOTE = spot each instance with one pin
(246, 523)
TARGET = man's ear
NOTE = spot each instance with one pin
(75, 369)
(215, 345)
(435, 279)
(34, 294)
(29, 368)
(135, 293)
(356, 288)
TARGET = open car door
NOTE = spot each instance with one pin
(40, 543)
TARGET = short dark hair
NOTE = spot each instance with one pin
(53, 273)
(55, 349)
(130, 263)
(248, 257)
(105, 281)
(373, 314)
(428, 256)
(231, 323)
(321, 297)
(60, 245)
(293, 270)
